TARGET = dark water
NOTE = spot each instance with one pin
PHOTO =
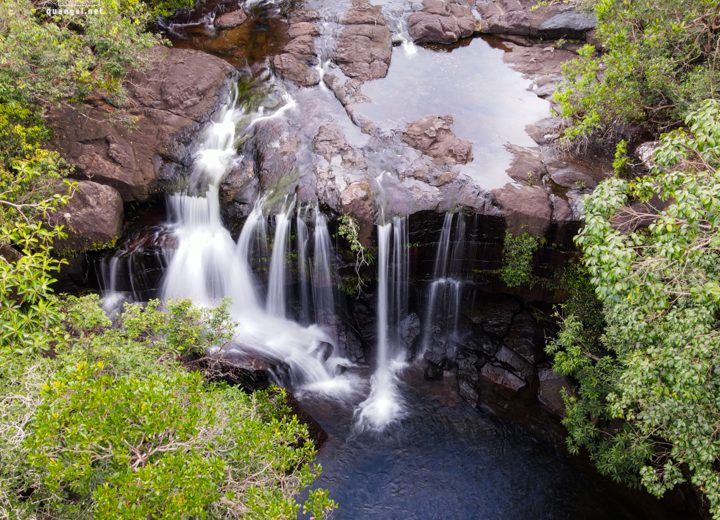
(446, 460)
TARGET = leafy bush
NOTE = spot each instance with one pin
(647, 407)
(115, 427)
(518, 252)
(661, 58)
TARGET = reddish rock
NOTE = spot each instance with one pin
(441, 22)
(432, 136)
(502, 377)
(365, 45)
(526, 208)
(92, 218)
(167, 104)
(231, 19)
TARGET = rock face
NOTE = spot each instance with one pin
(93, 217)
(441, 22)
(517, 17)
(365, 45)
(298, 60)
(231, 19)
(550, 390)
(432, 136)
(168, 103)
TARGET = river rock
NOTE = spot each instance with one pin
(365, 47)
(525, 338)
(234, 366)
(93, 217)
(441, 22)
(526, 208)
(550, 389)
(231, 19)
(298, 60)
(167, 104)
(523, 18)
(432, 136)
(502, 377)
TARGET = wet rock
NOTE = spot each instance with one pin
(520, 365)
(231, 19)
(502, 377)
(494, 314)
(522, 18)
(432, 136)
(525, 338)
(526, 208)
(432, 371)
(276, 154)
(93, 217)
(169, 101)
(298, 59)
(235, 367)
(241, 187)
(365, 47)
(550, 389)
(468, 377)
(410, 330)
(571, 177)
(545, 131)
(527, 165)
(441, 22)
(331, 144)
(357, 200)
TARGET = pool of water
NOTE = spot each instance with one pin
(488, 100)
(446, 460)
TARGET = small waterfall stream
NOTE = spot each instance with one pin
(207, 266)
(444, 294)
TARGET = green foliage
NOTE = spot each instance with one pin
(518, 252)
(167, 7)
(647, 407)
(50, 59)
(662, 57)
(115, 427)
(349, 230)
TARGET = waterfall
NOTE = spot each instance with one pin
(444, 293)
(384, 404)
(277, 281)
(302, 260)
(323, 284)
(207, 266)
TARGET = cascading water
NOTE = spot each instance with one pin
(322, 279)
(444, 296)
(303, 237)
(384, 404)
(207, 266)
(277, 282)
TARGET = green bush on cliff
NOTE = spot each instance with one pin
(647, 406)
(660, 58)
(113, 426)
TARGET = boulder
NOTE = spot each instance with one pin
(550, 389)
(168, 102)
(502, 377)
(525, 338)
(432, 136)
(523, 18)
(93, 217)
(298, 60)
(365, 47)
(441, 22)
(231, 19)
(526, 208)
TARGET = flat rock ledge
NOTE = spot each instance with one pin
(365, 46)
(441, 22)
